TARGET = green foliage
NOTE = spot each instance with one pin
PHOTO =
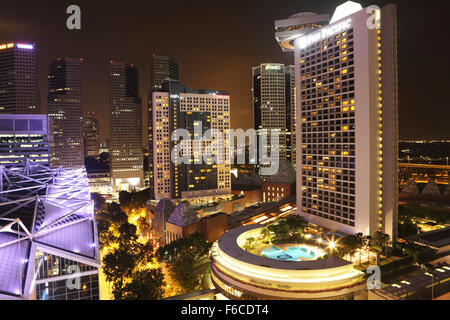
(129, 260)
(419, 254)
(187, 260)
(146, 285)
(143, 226)
(290, 228)
(134, 200)
(99, 201)
(349, 244)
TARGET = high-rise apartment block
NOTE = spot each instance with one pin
(18, 78)
(274, 105)
(91, 135)
(346, 88)
(25, 138)
(196, 110)
(126, 127)
(65, 108)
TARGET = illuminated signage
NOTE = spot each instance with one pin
(324, 33)
(218, 96)
(174, 96)
(273, 67)
(24, 46)
(6, 46)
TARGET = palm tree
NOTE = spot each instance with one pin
(382, 240)
(361, 242)
(265, 234)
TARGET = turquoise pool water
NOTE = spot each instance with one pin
(292, 253)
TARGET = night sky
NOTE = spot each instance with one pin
(217, 43)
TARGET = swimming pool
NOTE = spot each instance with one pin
(290, 253)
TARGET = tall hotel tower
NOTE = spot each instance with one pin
(176, 107)
(65, 108)
(274, 104)
(162, 69)
(126, 127)
(346, 84)
(18, 78)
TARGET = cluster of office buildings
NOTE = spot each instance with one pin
(335, 110)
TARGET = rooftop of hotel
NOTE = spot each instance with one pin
(228, 244)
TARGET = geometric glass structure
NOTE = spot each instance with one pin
(48, 236)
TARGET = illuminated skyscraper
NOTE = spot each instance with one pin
(18, 78)
(126, 127)
(346, 85)
(162, 69)
(65, 108)
(176, 107)
(91, 135)
(274, 104)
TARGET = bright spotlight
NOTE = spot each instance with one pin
(332, 245)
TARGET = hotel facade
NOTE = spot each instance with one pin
(347, 100)
(177, 107)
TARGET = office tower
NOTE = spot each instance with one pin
(162, 69)
(272, 103)
(18, 78)
(91, 135)
(346, 85)
(65, 108)
(49, 245)
(25, 138)
(176, 107)
(126, 127)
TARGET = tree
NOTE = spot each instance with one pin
(349, 244)
(143, 227)
(289, 228)
(146, 285)
(381, 240)
(265, 234)
(127, 263)
(99, 201)
(187, 260)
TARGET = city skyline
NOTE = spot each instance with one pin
(224, 64)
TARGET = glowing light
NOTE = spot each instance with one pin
(258, 220)
(344, 10)
(332, 245)
(324, 33)
(24, 46)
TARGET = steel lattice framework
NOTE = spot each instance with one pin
(43, 210)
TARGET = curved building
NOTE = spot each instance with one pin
(239, 274)
(297, 25)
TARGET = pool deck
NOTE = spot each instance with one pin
(228, 244)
